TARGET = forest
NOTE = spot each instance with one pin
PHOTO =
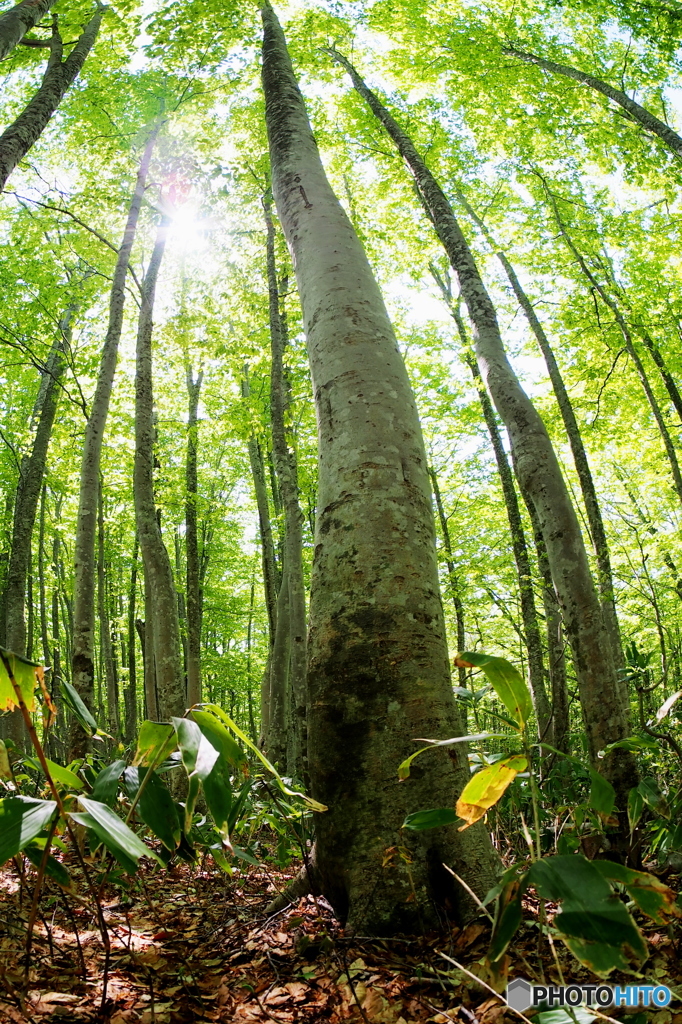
(340, 506)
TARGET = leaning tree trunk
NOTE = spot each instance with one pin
(27, 128)
(15, 23)
(192, 543)
(635, 110)
(538, 473)
(170, 682)
(26, 507)
(378, 672)
(284, 458)
(589, 491)
(83, 665)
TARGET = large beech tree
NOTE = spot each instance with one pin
(378, 672)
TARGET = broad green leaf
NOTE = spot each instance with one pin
(486, 787)
(156, 806)
(421, 820)
(593, 922)
(25, 675)
(75, 703)
(602, 796)
(653, 798)
(652, 896)
(102, 834)
(21, 819)
(635, 807)
(117, 830)
(106, 783)
(506, 680)
(216, 732)
(61, 775)
(155, 741)
(54, 869)
(314, 805)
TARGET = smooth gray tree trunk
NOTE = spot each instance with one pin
(378, 671)
(194, 602)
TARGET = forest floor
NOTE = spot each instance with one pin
(195, 946)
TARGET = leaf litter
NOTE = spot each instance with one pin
(199, 947)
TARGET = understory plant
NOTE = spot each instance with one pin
(591, 917)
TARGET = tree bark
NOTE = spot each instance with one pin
(284, 457)
(170, 683)
(539, 475)
(26, 507)
(83, 670)
(27, 128)
(130, 695)
(378, 672)
(194, 601)
(589, 491)
(634, 110)
(16, 22)
(107, 662)
(453, 578)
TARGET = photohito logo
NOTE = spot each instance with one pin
(521, 995)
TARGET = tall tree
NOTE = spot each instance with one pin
(27, 128)
(194, 602)
(605, 715)
(83, 663)
(378, 671)
(15, 23)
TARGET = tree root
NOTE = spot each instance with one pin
(305, 883)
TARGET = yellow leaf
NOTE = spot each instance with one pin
(486, 788)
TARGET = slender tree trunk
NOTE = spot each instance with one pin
(26, 507)
(170, 683)
(284, 457)
(27, 128)
(192, 543)
(15, 23)
(589, 491)
(634, 110)
(453, 578)
(279, 664)
(539, 475)
(378, 672)
(611, 304)
(86, 522)
(106, 652)
(130, 695)
(44, 631)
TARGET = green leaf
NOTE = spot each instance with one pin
(635, 807)
(61, 775)
(653, 897)
(74, 702)
(602, 796)
(155, 741)
(593, 922)
(128, 863)
(314, 805)
(487, 786)
(653, 797)
(508, 915)
(506, 680)
(156, 806)
(421, 820)
(25, 675)
(106, 783)
(117, 832)
(54, 869)
(404, 766)
(218, 735)
(21, 819)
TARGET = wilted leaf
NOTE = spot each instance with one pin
(653, 897)
(25, 675)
